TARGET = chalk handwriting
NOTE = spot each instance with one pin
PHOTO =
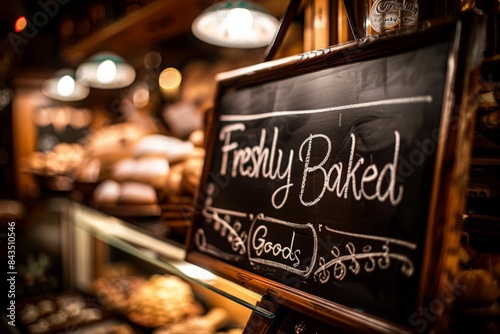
(290, 113)
(200, 240)
(257, 161)
(228, 229)
(278, 255)
(353, 178)
(349, 259)
(341, 186)
(261, 245)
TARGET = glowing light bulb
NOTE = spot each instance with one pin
(66, 86)
(170, 78)
(106, 72)
(20, 24)
(238, 22)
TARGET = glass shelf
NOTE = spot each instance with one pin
(168, 257)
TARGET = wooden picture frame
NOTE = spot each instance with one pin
(334, 180)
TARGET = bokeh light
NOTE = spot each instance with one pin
(170, 78)
(20, 24)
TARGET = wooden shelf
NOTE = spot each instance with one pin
(485, 161)
(483, 232)
(491, 64)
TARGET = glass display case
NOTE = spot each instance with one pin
(105, 275)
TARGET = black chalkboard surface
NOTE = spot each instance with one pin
(333, 177)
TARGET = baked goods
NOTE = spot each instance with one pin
(89, 171)
(137, 193)
(148, 169)
(55, 314)
(466, 253)
(110, 193)
(107, 193)
(114, 293)
(176, 213)
(489, 262)
(162, 300)
(191, 174)
(171, 148)
(182, 118)
(477, 290)
(29, 313)
(114, 142)
(488, 311)
(179, 192)
(184, 177)
(490, 120)
(203, 324)
(173, 186)
(197, 137)
(477, 286)
(63, 159)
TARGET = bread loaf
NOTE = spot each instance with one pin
(489, 262)
(149, 170)
(477, 286)
(171, 148)
(136, 193)
(107, 193)
(191, 175)
(162, 300)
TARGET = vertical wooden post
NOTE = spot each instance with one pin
(344, 31)
(308, 29)
(325, 24)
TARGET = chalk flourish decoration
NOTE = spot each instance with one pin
(367, 260)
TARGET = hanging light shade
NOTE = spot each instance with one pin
(62, 86)
(107, 71)
(235, 24)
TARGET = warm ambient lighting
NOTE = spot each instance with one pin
(170, 81)
(66, 86)
(238, 23)
(170, 78)
(20, 24)
(140, 95)
(235, 24)
(196, 272)
(63, 87)
(106, 70)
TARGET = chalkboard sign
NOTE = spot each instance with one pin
(333, 179)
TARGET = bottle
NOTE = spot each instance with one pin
(389, 15)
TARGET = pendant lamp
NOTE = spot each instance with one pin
(235, 24)
(62, 86)
(106, 70)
